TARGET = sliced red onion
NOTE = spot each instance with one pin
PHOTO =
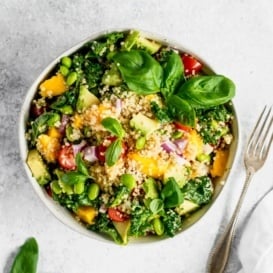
(64, 122)
(78, 147)
(180, 160)
(169, 146)
(181, 144)
(118, 106)
(89, 154)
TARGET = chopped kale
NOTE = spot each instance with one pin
(198, 190)
(214, 123)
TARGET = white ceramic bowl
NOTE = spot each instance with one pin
(63, 214)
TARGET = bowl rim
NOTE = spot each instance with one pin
(62, 214)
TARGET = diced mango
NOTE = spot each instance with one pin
(48, 146)
(219, 163)
(54, 132)
(87, 214)
(194, 146)
(53, 86)
(149, 166)
(77, 121)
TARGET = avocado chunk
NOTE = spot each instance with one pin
(150, 188)
(136, 40)
(186, 207)
(112, 76)
(123, 228)
(85, 99)
(179, 173)
(37, 167)
(144, 124)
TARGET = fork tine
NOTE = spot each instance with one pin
(255, 132)
(264, 131)
(257, 141)
(266, 144)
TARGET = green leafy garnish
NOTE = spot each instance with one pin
(140, 71)
(113, 152)
(173, 71)
(207, 91)
(73, 177)
(181, 110)
(156, 206)
(171, 194)
(81, 166)
(113, 126)
(27, 258)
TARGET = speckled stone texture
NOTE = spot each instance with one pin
(234, 37)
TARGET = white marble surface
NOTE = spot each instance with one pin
(235, 37)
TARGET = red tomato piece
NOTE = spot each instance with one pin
(66, 158)
(191, 65)
(182, 127)
(117, 215)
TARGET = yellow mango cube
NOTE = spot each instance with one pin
(54, 86)
(87, 214)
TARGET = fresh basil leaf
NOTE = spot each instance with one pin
(113, 152)
(140, 71)
(173, 71)
(81, 165)
(40, 124)
(156, 206)
(172, 194)
(74, 177)
(113, 126)
(27, 258)
(181, 110)
(207, 91)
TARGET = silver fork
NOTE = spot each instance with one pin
(254, 158)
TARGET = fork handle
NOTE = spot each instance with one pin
(221, 252)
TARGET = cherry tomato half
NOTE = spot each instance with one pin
(191, 65)
(117, 215)
(66, 158)
(182, 127)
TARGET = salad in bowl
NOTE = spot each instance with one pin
(130, 135)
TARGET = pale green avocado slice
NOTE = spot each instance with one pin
(122, 229)
(144, 124)
(186, 207)
(85, 99)
(37, 167)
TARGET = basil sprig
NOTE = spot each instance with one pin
(114, 150)
(113, 126)
(27, 258)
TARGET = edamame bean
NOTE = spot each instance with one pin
(67, 110)
(66, 61)
(140, 143)
(79, 188)
(64, 70)
(128, 181)
(203, 158)
(93, 191)
(71, 78)
(158, 226)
